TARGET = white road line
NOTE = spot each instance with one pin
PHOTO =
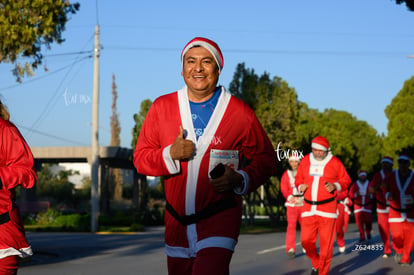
(273, 249)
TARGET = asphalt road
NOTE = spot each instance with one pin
(143, 253)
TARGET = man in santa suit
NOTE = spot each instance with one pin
(382, 205)
(320, 177)
(343, 218)
(294, 203)
(400, 193)
(185, 136)
(363, 200)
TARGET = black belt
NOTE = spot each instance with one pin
(382, 203)
(207, 212)
(403, 210)
(5, 217)
(320, 202)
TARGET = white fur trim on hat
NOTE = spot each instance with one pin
(319, 147)
(294, 157)
(404, 157)
(388, 160)
(362, 173)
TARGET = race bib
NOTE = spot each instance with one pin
(316, 170)
(408, 199)
(227, 157)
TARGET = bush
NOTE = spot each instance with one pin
(53, 220)
(73, 222)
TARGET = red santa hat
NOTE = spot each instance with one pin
(388, 160)
(320, 143)
(404, 157)
(362, 173)
(208, 44)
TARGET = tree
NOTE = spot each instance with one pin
(56, 187)
(115, 124)
(115, 174)
(244, 85)
(278, 110)
(408, 3)
(26, 26)
(400, 115)
(275, 105)
(139, 120)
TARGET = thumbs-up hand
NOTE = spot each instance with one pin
(182, 148)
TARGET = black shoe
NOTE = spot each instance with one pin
(314, 271)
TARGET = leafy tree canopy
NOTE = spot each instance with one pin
(291, 125)
(354, 141)
(400, 114)
(26, 26)
(408, 3)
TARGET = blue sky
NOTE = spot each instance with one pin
(347, 55)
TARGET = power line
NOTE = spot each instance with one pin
(257, 51)
(34, 79)
(52, 136)
(69, 53)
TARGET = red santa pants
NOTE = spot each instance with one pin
(293, 217)
(213, 260)
(384, 230)
(9, 265)
(402, 234)
(364, 222)
(341, 225)
(324, 227)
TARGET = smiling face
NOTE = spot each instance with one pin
(200, 73)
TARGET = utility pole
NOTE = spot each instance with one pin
(95, 138)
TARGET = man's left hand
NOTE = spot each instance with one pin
(330, 187)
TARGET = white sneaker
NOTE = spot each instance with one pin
(341, 249)
(291, 253)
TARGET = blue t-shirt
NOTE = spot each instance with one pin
(201, 112)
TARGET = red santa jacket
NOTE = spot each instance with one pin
(402, 202)
(377, 182)
(315, 173)
(16, 168)
(233, 132)
(289, 189)
(361, 196)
